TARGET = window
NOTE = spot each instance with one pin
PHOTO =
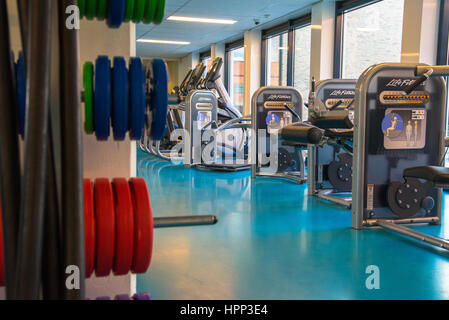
(276, 57)
(205, 58)
(207, 61)
(236, 72)
(301, 77)
(371, 34)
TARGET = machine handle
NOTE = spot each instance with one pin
(339, 103)
(416, 83)
(292, 111)
(437, 71)
(186, 221)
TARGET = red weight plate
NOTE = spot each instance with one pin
(143, 225)
(105, 227)
(124, 227)
(89, 227)
(2, 262)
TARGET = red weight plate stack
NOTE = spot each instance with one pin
(105, 227)
(89, 227)
(124, 227)
(143, 225)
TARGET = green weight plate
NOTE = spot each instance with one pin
(150, 10)
(160, 12)
(129, 11)
(91, 9)
(88, 83)
(139, 11)
(82, 8)
(102, 9)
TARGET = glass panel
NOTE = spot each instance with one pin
(371, 35)
(207, 62)
(301, 72)
(236, 77)
(276, 69)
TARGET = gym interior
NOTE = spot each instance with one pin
(224, 150)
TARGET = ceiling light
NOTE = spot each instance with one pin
(201, 20)
(283, 48)
(163, 41)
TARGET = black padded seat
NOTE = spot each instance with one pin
(332, 122)
(294, 144)
(433, 174)
(339, 134)
(300, 132)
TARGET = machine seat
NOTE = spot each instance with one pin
(294, 144)
(299, 132)
(338, 134)
(438, 176)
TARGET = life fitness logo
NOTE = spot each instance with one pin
(277, 97)
(400, 82)
(342, 93)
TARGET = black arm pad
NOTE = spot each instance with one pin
(302, 133)
(332, 122)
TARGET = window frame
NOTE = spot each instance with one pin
(205, 55)
(288, 27)
(229, 47)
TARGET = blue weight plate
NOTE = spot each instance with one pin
(137, 98)
(102, 97)
(21, 93)
(120, 98)
(116, 13)
(159, 101)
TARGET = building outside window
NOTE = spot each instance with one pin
(301, 78)
(371, 34)
(276, 67)
(236, 76)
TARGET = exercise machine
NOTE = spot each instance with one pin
(329, 163)
(399, 141)
(272, 109)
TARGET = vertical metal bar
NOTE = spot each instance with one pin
(72, 152)
(24, 20)
(290, 57)
(29, 253)
(338, 47)
(263, 61)
(51, 266)
(9, 153)
(443, 33)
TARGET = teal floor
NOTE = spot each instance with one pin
(272, 241)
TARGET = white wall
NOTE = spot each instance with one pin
(107, 159)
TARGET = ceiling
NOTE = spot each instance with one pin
(202, 35)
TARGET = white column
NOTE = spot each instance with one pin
(107, 159)
(322, 40)
(252, 41)
(420, 31)
(186, 63)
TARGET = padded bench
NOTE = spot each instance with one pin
(338, 134)
(437, 176)
(332, 122)
(301, 133)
